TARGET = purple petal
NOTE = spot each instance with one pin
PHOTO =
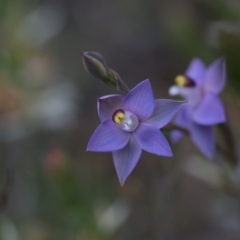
(210, 111)
(126, 159)
(107, 105)
(150, 139)
(107, 138)
(192, 94)
(215, 76)
(182, 117)
(140, 100)
(176, 135)
(164, 111)
(203, 137)
(196, 70)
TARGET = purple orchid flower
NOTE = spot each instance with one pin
(200, 86)
(131, 123)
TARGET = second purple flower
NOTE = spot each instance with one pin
(200, 86)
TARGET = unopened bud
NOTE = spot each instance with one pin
(95, 65)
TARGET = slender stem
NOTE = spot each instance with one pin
(230, 143)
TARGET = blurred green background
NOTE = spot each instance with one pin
(48, 112)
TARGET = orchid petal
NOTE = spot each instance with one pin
(210, 111)
(203, 137)
(192, 94)
(107, 105)
(107, 138)
(140, 100)
(126, 159)
(164, 111)
(150, 139)
(182, 120)
(215, 76)
(182, 117)
(195, 70)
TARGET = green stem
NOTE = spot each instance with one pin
(231, 150)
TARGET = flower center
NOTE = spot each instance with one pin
(184, 81)
(188, 89)
(127, 121)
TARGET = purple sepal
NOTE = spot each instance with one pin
(107, 138)
(210, 111)
(203, 137)
(150, 139)
(182, 118)
(215, 76)
(126, 159)
(164, 111)
(140, 100)
(196, 70)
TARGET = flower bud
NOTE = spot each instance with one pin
(95, 65)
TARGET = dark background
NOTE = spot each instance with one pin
(56, 190)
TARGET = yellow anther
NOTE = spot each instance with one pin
(118, 117)
(181, 80)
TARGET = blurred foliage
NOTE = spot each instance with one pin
(48, 112)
